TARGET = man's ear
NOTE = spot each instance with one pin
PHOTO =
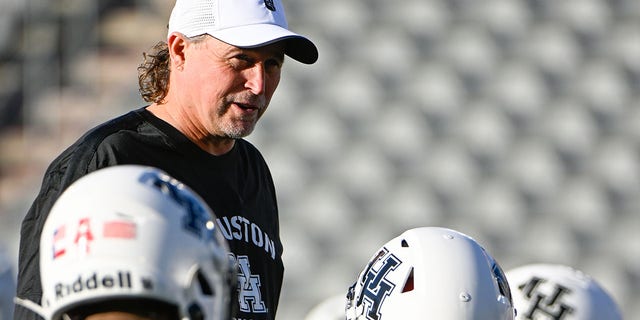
(176, 43)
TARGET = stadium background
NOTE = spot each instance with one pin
(516, 122)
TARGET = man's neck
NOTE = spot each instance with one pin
(214, 145)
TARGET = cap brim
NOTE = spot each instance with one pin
(296, 46)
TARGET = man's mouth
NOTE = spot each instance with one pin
(246, 106)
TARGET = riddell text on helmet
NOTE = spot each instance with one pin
(121, 280)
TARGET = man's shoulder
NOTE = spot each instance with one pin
(85, 147)
(130, 121)
(248, 149)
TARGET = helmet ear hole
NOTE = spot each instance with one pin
(404, 243)
(195, 312)
(205, 287)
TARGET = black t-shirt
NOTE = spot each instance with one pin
(237, 186)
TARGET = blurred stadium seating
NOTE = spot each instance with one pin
(516, 122)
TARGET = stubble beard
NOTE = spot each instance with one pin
(239, 127)
(232, 131)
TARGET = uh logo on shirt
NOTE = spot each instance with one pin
(249, 294)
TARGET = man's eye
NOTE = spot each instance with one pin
(242, 60)
(273, 64)
(243, 57)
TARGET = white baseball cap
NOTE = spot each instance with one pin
(241, 23)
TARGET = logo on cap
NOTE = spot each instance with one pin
(269, 4)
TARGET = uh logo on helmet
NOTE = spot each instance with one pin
(375, 286)
(556, 291)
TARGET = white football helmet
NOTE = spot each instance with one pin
(431, 273)
(132, 232)
(551, 291)
(332, 308)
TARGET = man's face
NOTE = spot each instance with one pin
(224, 90)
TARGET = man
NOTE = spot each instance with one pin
(431, 273)
(130, 242)
(543, 291)
(209, 84)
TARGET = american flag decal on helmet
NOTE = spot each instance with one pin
(58, 242)
(119, 229)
